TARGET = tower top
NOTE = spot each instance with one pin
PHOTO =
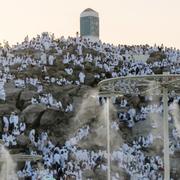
(89, 12)
(89, 9)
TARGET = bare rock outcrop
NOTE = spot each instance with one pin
(50, 117)
(23, 140)
(7, 108)
(33, 113)
(25, 98)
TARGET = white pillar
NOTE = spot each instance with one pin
(6, 164)
(108, 141)
(166, 135)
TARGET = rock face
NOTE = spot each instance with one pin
(12, 93)
(157, 70)
(7, 108)
(23, 140)
(89, 79)
(135, 100)
(50, 117)
(61, 126)
(25, 98)
(156, 56)
(32, 114)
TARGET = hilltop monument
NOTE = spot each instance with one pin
(89, 24)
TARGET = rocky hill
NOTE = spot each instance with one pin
(51, 84)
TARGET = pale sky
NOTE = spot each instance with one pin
(121, 21)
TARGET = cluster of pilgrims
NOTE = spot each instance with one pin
(111, 61)
(136, 163)
(50, 60)
(46, 99)
(42, 42)
(23, 83)
(64, 81)
(2, 90)
(49, 101)
(12, 127)
(130, 115)
(59, 164)
(58, 161)
(175, 141)
(58, 81)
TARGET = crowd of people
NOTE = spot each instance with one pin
(136, 163)
(70, 161)
(77, 54)
(2, 90)
(61, 162)
(132, 115)
(175, 142)
(12, 127)
(112, 60)
(49, 101)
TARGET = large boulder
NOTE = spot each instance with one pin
(26, 95)
(7, 108)
(135, 101)
(25, 98)
(157, 70)
(89, 79)
(72, 90)
(60, 125)
(60, 92)
(33, 113)
(156, 56)
(84, 89)
(50, 117)
(59, 128)
(12, 93)
(22, 140)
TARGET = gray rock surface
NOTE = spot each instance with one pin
(23, 140)
(50, 117)
(32, 114)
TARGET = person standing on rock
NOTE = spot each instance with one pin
(81, 77)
